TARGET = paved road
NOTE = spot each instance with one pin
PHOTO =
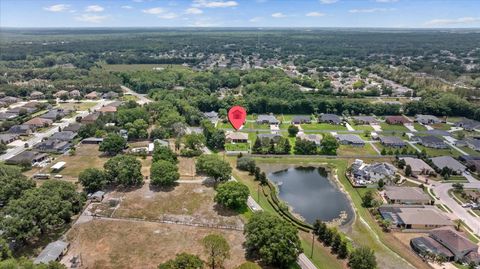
(142, 99)
(38, 137)
(441, 191)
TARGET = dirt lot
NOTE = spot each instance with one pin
(186, 168)
(127, 244)
(406, 237)
(192, 203)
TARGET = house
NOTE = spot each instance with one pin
(61, 93)
(73, 127)
(364, 174)
(316, 138)
(419, 167)
(36, 105)
(90, 118)
(427, 119)
(97, 196)
(37, 95)
(8, 116)
(423, 245)
(10, 100)
(30, 157)
(52, 252)
(364, 120)
(392, 141)
(473, 143)
(52, 145)
(397, 120)
(236, 137)
(8, 138)
(406, 195)
(211, 116)
(110, 95)
(267, 119)
(22, 129)
(92, 140)
(418, 217)
(39, 122)
(468, 124)
(350, 139)
(472, 162)
(55, 114)
(64, 136)
(74, 93)
(449, 162)
(107, 109)
(459, 247)
(330, 118)
(92, 95)
(274, 137)
(22, 110)
(301, 120)
(431, 141)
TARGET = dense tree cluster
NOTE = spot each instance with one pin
(278, 145)
(212, 166)
(232, 194)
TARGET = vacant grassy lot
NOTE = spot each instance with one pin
(364, 127)
(346, 150)
(184, 202)
(81, 106)
(393, 127)
(441, 126)
(186, 167)
(419, 127)
(440, 152)
(132, 244)
(86, 156)
(323, 126)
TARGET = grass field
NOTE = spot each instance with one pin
(393, 127)
(323, 126)
(237, 147)
(365, 231)
(129, 244)
(364, 127)
(441, 126)
(470, 151)
(346, 150)
(439, 152)
(82, 106)
(419, 127)
(86, 156)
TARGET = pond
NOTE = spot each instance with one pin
(312, 195)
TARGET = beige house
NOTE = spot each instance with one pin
(419, 167)
(406, 195)
(236, 137)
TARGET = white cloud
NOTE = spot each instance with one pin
(154, 10)
(168, 16)
(328, 1)
(126, 7)
(255, 19)
(315, 14)
(94, 8)
(386, 1)
(214, 4)
(57, 8)
(463, 20)
(370, 10)
(91, 18)
(194, 11)
(279, 15)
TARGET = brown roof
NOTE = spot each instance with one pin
(397, 119)
(92, 95)
(39, 122)
(452, 238)
(108, 109)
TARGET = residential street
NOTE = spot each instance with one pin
(38, 137)
(142, 99)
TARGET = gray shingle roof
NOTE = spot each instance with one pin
(448, 161)
(51, 252)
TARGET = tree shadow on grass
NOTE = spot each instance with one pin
(227, 212)
(168, 188)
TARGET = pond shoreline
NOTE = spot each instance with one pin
(332, 177)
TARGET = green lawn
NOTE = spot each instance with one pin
(393, 127)
(362, 127)
(346, 150)
(323, 126)
(441, 126)
(470, 151)
(237, 147)
(419, 127)
(410, 149)
(440, 152)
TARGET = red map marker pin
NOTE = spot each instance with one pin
(237, 116)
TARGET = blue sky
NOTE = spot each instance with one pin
(240, 13)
